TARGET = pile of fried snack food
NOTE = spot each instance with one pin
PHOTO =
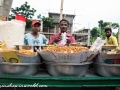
(66, 49)
(22, 51)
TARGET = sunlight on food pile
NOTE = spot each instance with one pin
(66, 49)
(22, 51)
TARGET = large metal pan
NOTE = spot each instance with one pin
(107, 69)
(67, 69)
(19, 68)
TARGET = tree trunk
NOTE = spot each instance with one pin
(5, 8)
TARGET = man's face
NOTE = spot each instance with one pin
(36, 28)
(108, 33)
(63, 26)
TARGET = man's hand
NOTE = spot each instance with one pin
(68, 41)
(59, 38)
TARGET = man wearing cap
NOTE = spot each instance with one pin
(34, 38)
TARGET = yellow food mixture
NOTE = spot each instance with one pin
(22, 51)
(66, 49)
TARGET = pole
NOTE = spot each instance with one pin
(100, 32)
(49, 32)
(88, 37)
(119, 37)
(61, 9)
(41, 28)
(110, 25)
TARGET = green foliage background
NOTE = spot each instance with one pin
(99, 31)
(29, 12)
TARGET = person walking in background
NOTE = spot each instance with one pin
(62, 38)
(111, 40)
(34, 38)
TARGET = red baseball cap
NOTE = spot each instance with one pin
(35, 21)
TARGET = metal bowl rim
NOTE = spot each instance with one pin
(55, 63)
(105, 64)
(21, 64)
(112, 47)
(35, 45)
(25, 45)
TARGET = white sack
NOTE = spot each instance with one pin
(12, 32)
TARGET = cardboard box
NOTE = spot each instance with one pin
(108, 58)
(92, 55)
(111, 58)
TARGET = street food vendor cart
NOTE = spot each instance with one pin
(43, 79)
